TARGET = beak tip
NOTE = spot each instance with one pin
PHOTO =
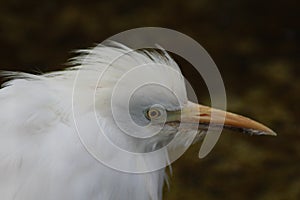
(272, 133)
(269, 133)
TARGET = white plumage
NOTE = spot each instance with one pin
(42, 155)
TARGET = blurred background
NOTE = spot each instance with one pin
(255, 44)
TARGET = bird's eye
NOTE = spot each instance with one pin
(153, 113)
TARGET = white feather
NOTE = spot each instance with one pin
(41, 156)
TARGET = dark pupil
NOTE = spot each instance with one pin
(153, 113)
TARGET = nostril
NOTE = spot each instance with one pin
(204, 115)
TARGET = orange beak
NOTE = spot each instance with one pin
(204, 115)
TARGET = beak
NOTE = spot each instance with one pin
(204, 116)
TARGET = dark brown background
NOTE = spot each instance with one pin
(255, 45)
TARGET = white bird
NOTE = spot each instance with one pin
(49, 139)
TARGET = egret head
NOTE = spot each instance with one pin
(141, 101)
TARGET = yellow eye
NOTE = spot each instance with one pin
(153, 113)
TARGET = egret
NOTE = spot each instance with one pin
(43, 154)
